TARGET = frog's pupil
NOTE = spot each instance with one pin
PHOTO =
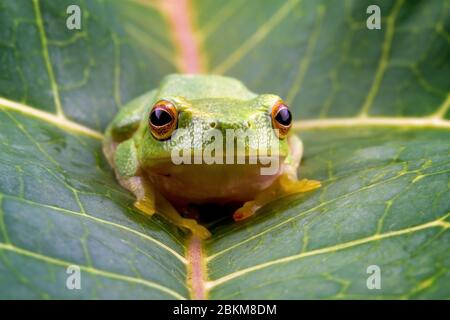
(160, 117)
(284, 117)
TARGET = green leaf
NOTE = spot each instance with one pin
(62, 71)
(374, 116)
(321, 57)
(384, 202)
(61, 206)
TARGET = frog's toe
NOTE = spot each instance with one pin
(304, 185)
(201, 232)
(146, 207)
(196, 229)
(247, 210)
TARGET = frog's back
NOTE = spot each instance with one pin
(194, 87)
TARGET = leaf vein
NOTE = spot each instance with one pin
(441, 223)
(48, 64)
(102, 221)
(103, 273)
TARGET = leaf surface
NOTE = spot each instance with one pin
(372, 107)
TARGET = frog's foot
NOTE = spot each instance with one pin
(146, 205)
(283, 186)
(290, 186)
(192, 225)
(246, 211)
(149, 201)
(170, 213)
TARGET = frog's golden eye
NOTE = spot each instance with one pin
(163, 119)
(281, 119)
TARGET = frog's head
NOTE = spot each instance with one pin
(189, 111)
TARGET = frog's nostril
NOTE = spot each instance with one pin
(213, 124)
(248, 124)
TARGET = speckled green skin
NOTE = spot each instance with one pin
(203, 102)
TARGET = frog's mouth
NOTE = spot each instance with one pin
(222, 170)
(219, 159)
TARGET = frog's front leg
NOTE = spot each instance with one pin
(148, 199)
(164, 207)
(285, 184)
(282, 186)
(144, 193)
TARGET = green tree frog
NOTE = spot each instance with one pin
(140, 141)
